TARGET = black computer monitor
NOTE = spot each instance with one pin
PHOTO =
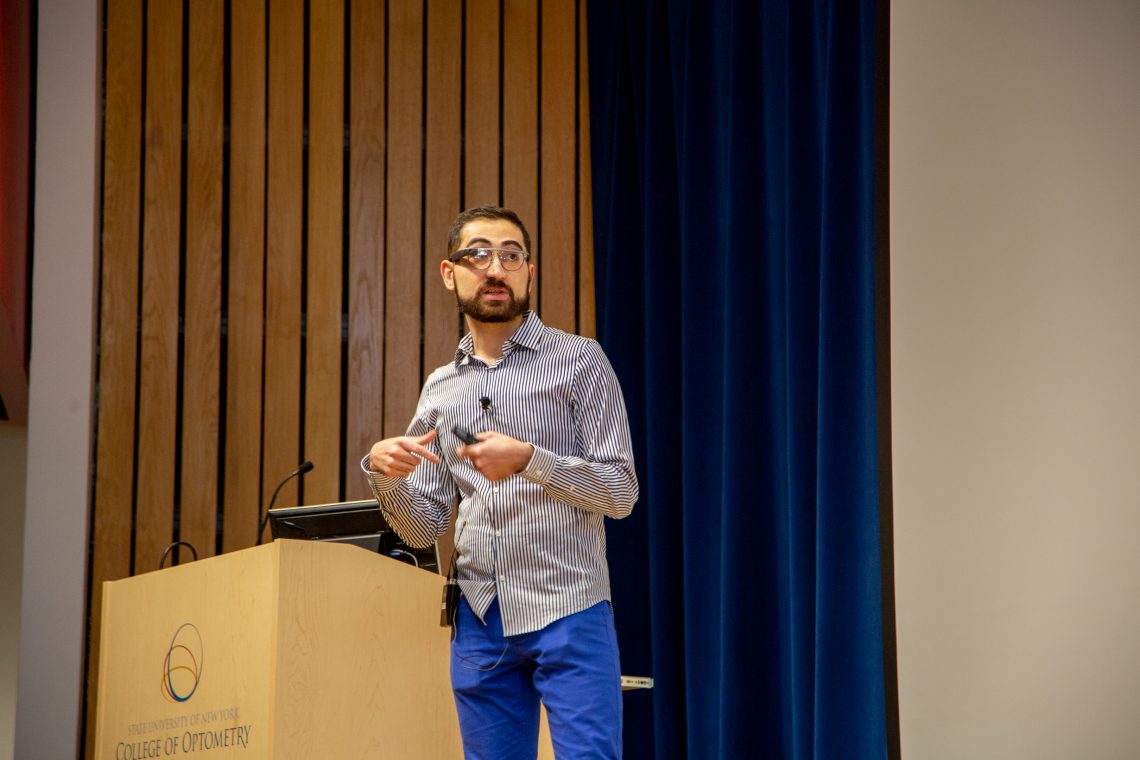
(350, 522)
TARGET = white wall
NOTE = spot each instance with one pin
(1015, 235)
(52, 615)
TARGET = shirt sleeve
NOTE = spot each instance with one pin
(417, 507)
(603, 479)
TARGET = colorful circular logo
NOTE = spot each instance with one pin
(182, 670)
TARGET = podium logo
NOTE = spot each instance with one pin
(182, 669)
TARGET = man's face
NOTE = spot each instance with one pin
(492, 294)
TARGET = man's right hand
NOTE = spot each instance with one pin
(398, 457)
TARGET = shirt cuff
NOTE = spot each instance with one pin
(540, 467)
(381, 482)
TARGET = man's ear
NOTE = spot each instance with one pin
(447, 272)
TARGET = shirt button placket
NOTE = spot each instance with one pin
(496, 570)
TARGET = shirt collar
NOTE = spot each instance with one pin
(528, 335)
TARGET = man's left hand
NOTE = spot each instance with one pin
(497, 456)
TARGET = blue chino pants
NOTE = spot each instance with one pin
(570, 665)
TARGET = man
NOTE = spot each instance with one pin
(552, 458)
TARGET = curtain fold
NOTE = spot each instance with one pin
(733, 166)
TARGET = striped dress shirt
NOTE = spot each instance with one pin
(536, 540)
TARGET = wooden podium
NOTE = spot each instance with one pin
(295, 649)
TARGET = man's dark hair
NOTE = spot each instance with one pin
(483, 212)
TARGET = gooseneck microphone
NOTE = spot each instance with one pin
(305, 467)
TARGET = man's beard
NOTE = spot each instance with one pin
(494, 311)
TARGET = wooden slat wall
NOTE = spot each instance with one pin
(520, 159)
(284, 191)
(558, 182)
(482, 136)
(158, 360)
(245, 296)
(112, 510)
(324, 274)
(366, 219)
(403, 239)
(585, 289)
(201, 368)
(278, 179)
(442, 171)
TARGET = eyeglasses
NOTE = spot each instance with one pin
(480, 258)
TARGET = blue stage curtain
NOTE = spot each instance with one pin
(733, 183)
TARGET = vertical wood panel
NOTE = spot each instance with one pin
(431, 131)
(242, 485)
(282, 411)
(443, 190)
(481, 104)
(442, 182)
(118, 305)
(158, 383)
(366, 238)
(559, 171)
(403, 239)
(202, 365)
(586, 312)
(325, 254)
(520, 121)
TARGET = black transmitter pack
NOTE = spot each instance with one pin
(464, 435)
(449, 604)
